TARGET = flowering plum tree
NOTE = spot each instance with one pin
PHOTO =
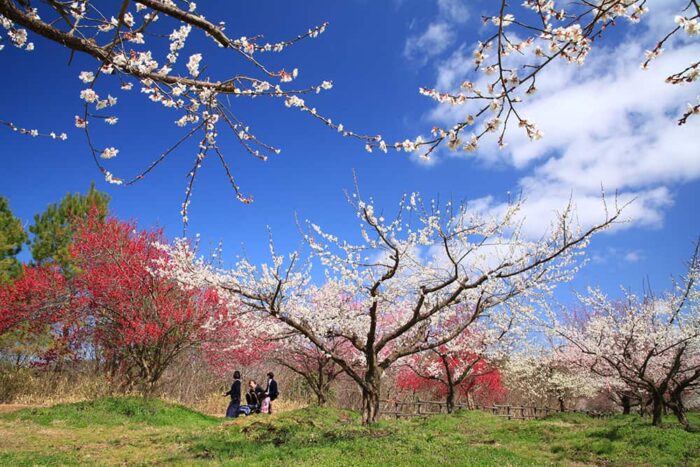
(459, 367)
(544, 374)
(139, 43)
(316, 366)
(134, 322)
(126, 38)
(39, 303)
(522, 41)
(413, 284)
(651, 343)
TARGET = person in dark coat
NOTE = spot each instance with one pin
(271, 390)
(235, 393)
(251, 396)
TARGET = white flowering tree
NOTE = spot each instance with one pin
(522, 40)
(412, 284)
(139, 44)
(542, 374)
(651, 343)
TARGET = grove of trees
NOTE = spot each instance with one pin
(438, 298)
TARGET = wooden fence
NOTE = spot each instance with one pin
(418, 408)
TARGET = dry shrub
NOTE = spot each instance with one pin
(35, 387)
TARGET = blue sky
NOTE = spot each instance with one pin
(378, 53)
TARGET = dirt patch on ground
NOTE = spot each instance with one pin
(488, 442)
(561, 423)
(7, 408)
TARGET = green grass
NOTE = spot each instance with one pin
(136, 431)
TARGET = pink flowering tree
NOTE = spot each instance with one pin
(650, 342)
(460, 367)
(414, 283)
(315, 365)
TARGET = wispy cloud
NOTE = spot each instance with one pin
(433, 41)
(439, 34)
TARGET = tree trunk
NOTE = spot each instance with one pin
(562, 405)
(626, 405)
(679, 410)
(681, 415)
(370, 397)
(321, 398)
(450, 400)
(657, 409)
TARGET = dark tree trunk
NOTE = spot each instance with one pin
(678, 408)
(562, 405)
(626, 404)
(450, 399)
(657, 410)
(370, 396)
(321, 398)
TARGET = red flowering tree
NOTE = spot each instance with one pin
(459, 368)
(40, 307)
(129, 319)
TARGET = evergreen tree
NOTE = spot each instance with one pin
(12, 236)
(53, 229)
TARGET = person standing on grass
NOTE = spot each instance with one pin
(235, 393)
(271, 392)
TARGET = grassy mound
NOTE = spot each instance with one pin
(332, 437)
(115, 411)
(137, 431)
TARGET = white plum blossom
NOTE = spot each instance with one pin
(89, 95)
(112, 179)
(87, 77)
(109, 153)
(193, 64)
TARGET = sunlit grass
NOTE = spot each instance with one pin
(138, 431)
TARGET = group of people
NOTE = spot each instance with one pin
(258, 400)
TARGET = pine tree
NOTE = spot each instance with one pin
(12, 236)
(54, 229)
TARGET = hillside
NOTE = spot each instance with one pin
(130, 430)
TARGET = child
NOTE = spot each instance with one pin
(251, 397)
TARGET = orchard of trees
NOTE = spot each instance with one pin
(438, 299)
(389, 319)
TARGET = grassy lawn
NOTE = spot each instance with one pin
(130, 430)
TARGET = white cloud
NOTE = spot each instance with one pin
(436, 38)
(454, 10)
(439, 34)
(614, 256)
(633, 256)
(607, 123)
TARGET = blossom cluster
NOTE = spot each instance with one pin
(523, 41)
